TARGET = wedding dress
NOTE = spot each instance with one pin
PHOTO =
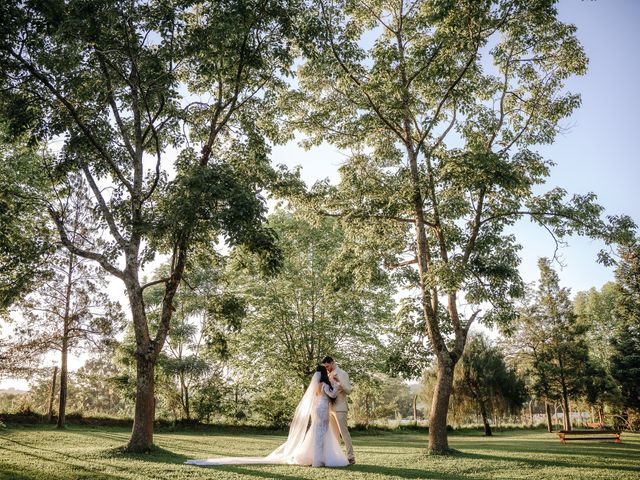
(316, 446)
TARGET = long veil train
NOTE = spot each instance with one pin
(295, 450)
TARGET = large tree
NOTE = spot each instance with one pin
(597, 309)
(160, 105)
(438, 105)
(196, 343)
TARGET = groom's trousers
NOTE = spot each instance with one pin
(339, 427)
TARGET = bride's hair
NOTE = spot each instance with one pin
(324, 378)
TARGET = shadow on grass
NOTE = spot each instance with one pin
(78, 462)
(156, 455)
(361, 468)
(411, 472)
(545, 447)
(537, 463)
(93, 473)
(58, 458)
(244, 470)
(10, 474)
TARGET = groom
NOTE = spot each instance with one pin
(339, 408)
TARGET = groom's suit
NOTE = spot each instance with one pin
(339, 410)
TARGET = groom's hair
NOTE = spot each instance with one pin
(327, 359)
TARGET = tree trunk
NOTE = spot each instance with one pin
(485, 421)
(63, 380)
(567, 413)
(184, 397)
(142, 434)
(146, 354)
(52, 394)
(415, 410)
(565, 397)
(547, 408)
(366, 408)
(601, 415)
(438, 441)
(531, 422)
(187, 410)
(65, 344)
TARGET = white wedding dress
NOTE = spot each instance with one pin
(316, 445)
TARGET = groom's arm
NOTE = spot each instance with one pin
(343, 378)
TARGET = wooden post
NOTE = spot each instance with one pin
(52, 394)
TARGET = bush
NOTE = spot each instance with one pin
(275, 408)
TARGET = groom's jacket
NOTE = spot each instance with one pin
(340, 405)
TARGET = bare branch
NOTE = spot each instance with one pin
(155, 282)
(366, 216)
(104, 209)
(101, 259)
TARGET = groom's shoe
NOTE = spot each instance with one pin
(352, 461)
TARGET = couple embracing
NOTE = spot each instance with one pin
(325, 405)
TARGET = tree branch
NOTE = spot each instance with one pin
(101, 259)
(76, 117)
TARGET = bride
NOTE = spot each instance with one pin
(317, 445)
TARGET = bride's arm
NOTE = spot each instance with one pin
(331, 392)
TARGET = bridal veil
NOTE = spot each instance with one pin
(295, 449)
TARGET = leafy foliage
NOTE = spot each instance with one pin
(485, 384)
(24, 228)
(318, 305)
(128, 87)
(625, 342)
(441, 158)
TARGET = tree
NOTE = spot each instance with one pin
(628, 284)
(380, 397)
(485, 380)
(196, 343)
(625, 368)
(95, 390)
(625, 342)
(441, 163)
(126, 87)
(323, 302)
(69, 310)
(597, 309)
(554, 342)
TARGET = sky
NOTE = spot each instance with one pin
(598, 152)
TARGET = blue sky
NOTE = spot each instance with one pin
(597, 154)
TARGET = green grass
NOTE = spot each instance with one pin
(41, 452)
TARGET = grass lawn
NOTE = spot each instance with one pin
(41, 452)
